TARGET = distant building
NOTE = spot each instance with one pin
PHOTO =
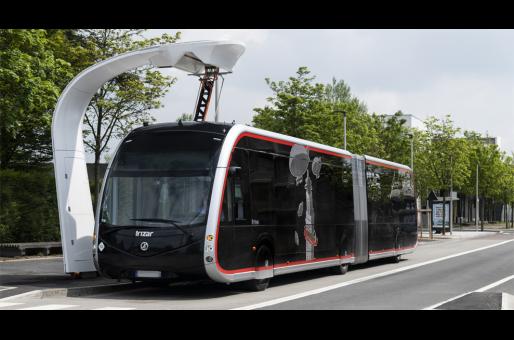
(411, 121)
(492, 140)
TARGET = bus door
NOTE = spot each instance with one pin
(360, 209)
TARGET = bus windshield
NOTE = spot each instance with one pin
(161, 179)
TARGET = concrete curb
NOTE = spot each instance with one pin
(74, 291)
(90, 290)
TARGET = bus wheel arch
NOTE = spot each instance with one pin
(264, 257)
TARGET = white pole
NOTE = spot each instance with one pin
(451, 203)
(216, 100)
(476, 204)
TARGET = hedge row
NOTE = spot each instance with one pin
(28, 206)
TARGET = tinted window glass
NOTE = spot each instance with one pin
(261, 183)
(236, 199)
(161, 176)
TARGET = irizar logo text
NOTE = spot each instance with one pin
(144, 233)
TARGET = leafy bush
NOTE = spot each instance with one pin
(28, 206)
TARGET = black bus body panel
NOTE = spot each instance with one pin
(391, 209)
(122, 256)
(265, 203)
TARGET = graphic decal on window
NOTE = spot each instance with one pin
(299, 166)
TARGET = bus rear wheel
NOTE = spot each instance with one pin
(263, 258)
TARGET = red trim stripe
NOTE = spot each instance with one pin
(390, 250)
(285, 264)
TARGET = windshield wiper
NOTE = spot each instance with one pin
(161, 220)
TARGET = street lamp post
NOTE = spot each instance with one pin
(344, 119)
(411, 136)
(476, 203)
(451, 196)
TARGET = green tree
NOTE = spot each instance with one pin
(28, 209)
(302, 108)
(490, 165)
(31, 79)
(296, 109)
(338, 92)
(124, 101)
(394, 138)
(362, 128)
(441, 159)
(185, 117)
(506, 184)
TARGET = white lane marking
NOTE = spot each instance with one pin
(48, 307)
(9, 304)
(480, 290)
(6, 288)
(507, 301)
(27, 294)
(114, 308)
(362, 279)
(494, 284)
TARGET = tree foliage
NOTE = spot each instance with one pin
(31, 79)
(302, 108)
(28, 209)
(441, 157)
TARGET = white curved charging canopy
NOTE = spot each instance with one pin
(76, 216)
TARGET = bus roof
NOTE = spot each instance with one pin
(224, 128)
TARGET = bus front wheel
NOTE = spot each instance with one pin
(341, 269)
(263, 258)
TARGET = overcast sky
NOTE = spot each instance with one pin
(466, 73)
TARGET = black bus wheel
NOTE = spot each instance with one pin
(396, 259)
(341, 269)
(263, 258)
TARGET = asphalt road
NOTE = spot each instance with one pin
(437, 271)
(420, 287)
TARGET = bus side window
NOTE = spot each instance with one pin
(227, 216)
(261, 181)
(236, 202)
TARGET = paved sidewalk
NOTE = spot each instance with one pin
(39, 273)
(456, 234)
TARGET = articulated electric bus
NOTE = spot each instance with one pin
(235, 203)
